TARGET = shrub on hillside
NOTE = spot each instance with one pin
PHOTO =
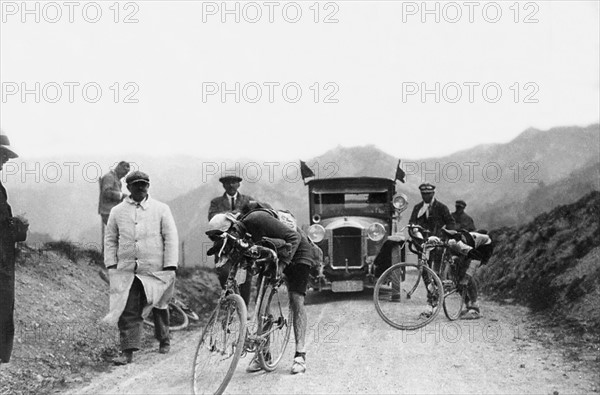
(75, 251)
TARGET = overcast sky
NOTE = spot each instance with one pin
(366, 71)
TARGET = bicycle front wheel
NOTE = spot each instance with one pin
(454, 295)
(220, 347)
(453, 300)
(404, 301)
(275, 324)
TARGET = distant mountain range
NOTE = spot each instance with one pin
(503, 184)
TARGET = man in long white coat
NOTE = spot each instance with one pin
(141, 253)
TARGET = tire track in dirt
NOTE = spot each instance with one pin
(351, 350)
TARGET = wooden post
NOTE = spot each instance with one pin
(102, 236)
(182, 254)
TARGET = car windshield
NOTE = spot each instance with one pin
(351, 203)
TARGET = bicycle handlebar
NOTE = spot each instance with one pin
(253, 251)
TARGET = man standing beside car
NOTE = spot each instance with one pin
(432, 215)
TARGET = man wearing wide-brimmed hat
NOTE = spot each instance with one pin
(12, 229)
(230, 202)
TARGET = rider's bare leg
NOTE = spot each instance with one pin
(299, 320)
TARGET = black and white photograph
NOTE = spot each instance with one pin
(299, 197)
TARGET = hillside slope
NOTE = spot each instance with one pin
(544, 197)
(551, 263)
(60, 299)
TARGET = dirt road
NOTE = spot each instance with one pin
(351, 350)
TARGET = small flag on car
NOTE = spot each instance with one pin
(399, 172)
(305, 171)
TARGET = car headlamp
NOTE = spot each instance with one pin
(376, 232)
(316, 233)
(400, 202)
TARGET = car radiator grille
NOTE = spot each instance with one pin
(347, 243)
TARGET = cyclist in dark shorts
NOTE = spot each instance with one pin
(472, 249)
(296, 260)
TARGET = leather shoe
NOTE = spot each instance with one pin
(164, 348)
(254, 366)
(123, 359)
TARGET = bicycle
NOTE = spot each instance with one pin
(226, 337)
(421, 285)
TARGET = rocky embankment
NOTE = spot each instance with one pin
(552, 265)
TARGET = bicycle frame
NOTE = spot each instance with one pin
(253, 341)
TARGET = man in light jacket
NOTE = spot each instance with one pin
(141, 253)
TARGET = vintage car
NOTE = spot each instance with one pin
(350, 220)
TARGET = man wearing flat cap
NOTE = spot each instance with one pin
(463, 221)
(12, 229)
(141, 252)
(230, 202)
(432, 215)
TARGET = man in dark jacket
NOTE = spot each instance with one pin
(297, 265)
(9, 234)
(111, 193)
(230, 202)
(110, 190)
(431, 213)
(463, 221)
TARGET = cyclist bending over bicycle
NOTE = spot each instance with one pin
(472, 249)
(295, 258)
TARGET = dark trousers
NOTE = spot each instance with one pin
(7, 299)
(131, 322)
(103, 227)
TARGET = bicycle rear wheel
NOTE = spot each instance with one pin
(178, 320)
(220, 347)
(415, 311)
(274, 322)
